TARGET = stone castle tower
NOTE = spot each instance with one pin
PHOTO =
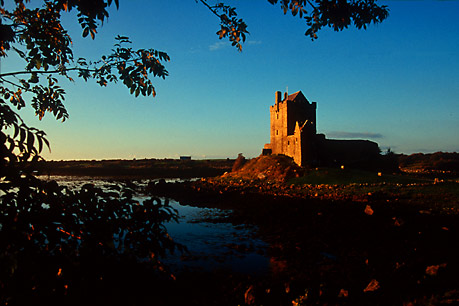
(293, 133)
(293, 127)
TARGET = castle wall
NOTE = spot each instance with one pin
(308, 145)
(346, 151)
(278, 127)
(300, 111)
(293, 148)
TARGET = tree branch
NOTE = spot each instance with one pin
(12, 83)
(210, 8)
(43, 72)
(310, 3)
(2, 75)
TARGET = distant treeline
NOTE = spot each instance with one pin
(433, 161)
(150, 168)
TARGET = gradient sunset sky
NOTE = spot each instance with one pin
(396, 83)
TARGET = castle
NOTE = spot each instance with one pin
(293, 133)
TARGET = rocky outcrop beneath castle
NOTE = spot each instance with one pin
(267, 167)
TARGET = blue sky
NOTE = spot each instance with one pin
(397, 83)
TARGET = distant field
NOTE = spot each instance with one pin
(148, 168)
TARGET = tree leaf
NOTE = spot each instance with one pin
(34, 78)
(40, 144)
(30, 141)
(16, 130)
(22, 135)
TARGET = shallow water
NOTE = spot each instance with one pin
(212, 243)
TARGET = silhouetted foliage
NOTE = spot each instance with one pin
(49, 234)
(389, 161)
(337, 14)
(230, 26)
(37, 36)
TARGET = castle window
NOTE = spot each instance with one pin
(277, 132)
(288, 142)
(277, 116)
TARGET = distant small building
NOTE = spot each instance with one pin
(185, 157)
(293, 133)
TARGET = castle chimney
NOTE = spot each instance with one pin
(278, 97)
(285, 96)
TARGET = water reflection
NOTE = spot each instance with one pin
(215, 244)
(212, 242)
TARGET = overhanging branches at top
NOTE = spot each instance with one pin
(337, 14)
